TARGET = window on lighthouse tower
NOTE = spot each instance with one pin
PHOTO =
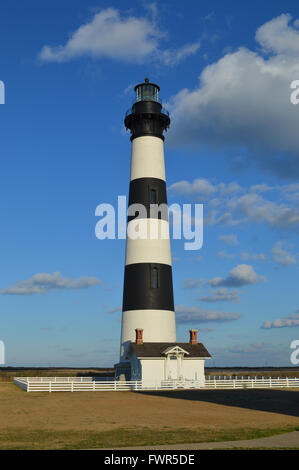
(153, 196)
(154, 278)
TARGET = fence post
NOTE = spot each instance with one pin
(270, 382)
(115, 385)
(50, 388)
(287, 381)
(215, 383)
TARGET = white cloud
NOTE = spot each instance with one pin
(255, 256)
(260, 188)
(203, 188)
(195, 314)
(241, 275)
(197, 258)
(255, 348)
(224, 254)
(153, 9)
(291, 193)
(114, 310)
(173, 57)
(228, 189)
(243, 102)
(285, 322)
(108, 35)
(255, 208)
(281, 256)
(44, 282)
(192, 283)
(118, 37)
(253, 355)
(233, 205)
(229, 239)
(199, 187)
(209, 16)
(278, 37)
(222, 295)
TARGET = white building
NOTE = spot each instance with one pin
(156, 361)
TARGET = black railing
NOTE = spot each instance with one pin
(130, 111)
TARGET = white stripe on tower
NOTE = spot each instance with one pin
(147, 158)
(149, 250)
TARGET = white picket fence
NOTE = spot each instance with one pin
(85, 384)
(251, 382)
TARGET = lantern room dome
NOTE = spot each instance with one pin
(147, 91)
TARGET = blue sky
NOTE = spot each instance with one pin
(225, 70)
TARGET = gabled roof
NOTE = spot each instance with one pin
(175, 349)
(158, 349)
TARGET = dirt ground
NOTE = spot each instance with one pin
(102, 411)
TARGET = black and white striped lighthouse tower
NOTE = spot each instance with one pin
(148, 292)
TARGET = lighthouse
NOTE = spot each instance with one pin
(148, 318)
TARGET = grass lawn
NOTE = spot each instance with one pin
(86, 420)
(124, 437)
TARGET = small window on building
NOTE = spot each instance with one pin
(173, 357)
(154, 278)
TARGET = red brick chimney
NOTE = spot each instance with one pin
(139, 335)
(193, 336)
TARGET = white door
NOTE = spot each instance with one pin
(172, 368)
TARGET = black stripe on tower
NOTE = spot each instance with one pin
(147, 118)
(148, 286)
(149, 191)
